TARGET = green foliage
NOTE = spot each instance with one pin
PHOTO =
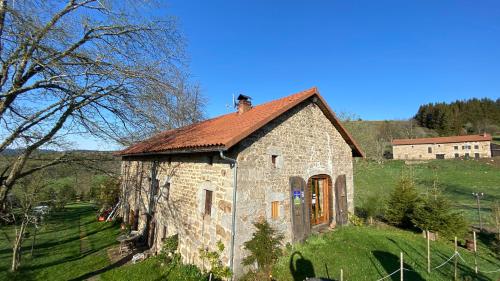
(355, 220)
(402, 203)
(59, 192)
(169, 247)
(105, 191)
(264, 247)
(217, 268)
(372, 207)
(461, 117)
(435, 214)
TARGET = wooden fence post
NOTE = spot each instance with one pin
(428, 253)
(456, 259)
(475, 252)
(401, 268)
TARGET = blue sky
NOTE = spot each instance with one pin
(376, 59)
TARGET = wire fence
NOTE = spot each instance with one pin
(454, 258)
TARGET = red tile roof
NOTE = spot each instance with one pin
(223, 132)
(452, 139)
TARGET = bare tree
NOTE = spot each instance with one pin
(26, 197)
(87, 67)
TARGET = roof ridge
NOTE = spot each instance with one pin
(224, 131)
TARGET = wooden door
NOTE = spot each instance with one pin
(341, 200)
(299, 216)
(319, 200)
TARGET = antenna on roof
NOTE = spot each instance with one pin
(232, 105)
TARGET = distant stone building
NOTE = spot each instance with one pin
(288, 161)
(470, 146)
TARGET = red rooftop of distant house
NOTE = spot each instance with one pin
(223, 132)
(452, 139)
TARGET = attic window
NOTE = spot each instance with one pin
(429, 149)
(273, 160)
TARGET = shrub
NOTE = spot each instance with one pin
(434, 214)
(217, 268)
(264, 247)
(402, 203)
(372, 207)
(169, 247)
(355, 220)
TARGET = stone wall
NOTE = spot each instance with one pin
(306, 144)
(180, 208)
(421, 151)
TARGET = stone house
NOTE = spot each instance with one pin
(470, 146)
(289, 161)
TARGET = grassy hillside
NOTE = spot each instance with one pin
(370, 253)
(70, 245)
(457, 179)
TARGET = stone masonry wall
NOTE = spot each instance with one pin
(180, 209)
(306, 144)
(421, 152)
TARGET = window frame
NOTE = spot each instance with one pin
(274, 160)
(208, 203)
(275, 207)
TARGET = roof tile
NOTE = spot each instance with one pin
(224, 131)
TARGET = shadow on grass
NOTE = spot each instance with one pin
(118, 263)
(391, 263)
(303, 269)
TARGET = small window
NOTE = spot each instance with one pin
(273, 160)
(466, 156)
(476, 146)
(274, 209)
(457, 155)
(208, 202)
(463, 147)
(456, 147)
(476, 155)
(156, 187)
(429, 149)
(468, 147)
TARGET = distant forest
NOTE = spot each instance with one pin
(471, 116)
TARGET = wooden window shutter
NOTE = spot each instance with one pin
(208, 202)
(275, 209)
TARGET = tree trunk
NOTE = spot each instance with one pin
(16, 249)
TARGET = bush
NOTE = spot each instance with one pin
(372, 207)
(402, 204)
(434, 214)
(169, 247)
(217, 268)
(355, 220)
(264, 247)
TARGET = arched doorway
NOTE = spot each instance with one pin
(319, 199)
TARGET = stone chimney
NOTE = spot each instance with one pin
(244, 104)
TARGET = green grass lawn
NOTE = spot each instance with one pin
(370, 253)
(456, 178)
(59, 253)
(152, 269)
